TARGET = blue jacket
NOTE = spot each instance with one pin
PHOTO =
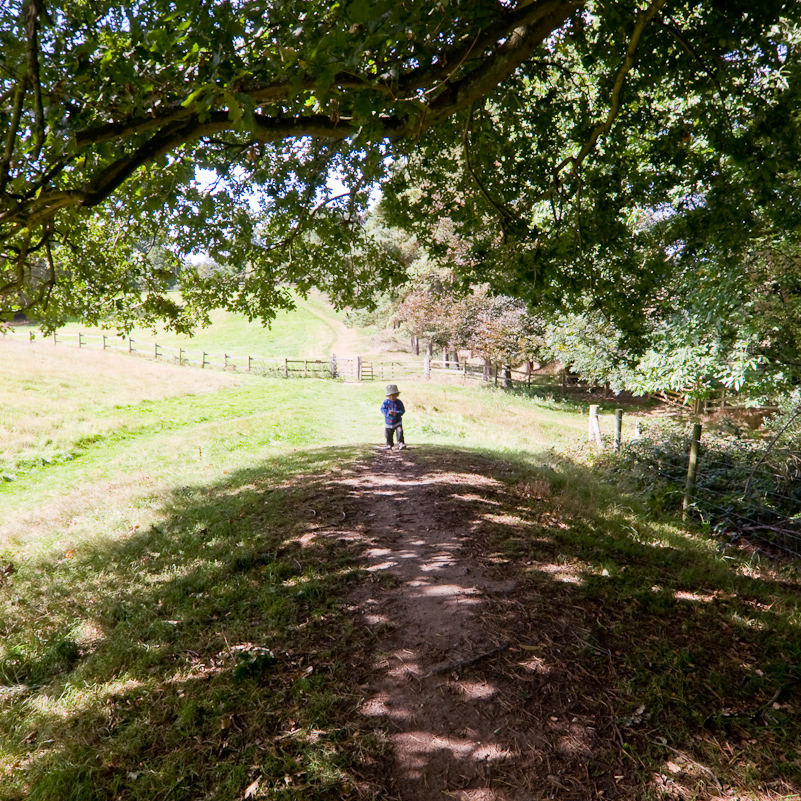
(393, 411)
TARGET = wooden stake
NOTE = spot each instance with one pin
(692, 471)
(594, 430)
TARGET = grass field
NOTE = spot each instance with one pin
(106, 457)
(169, 633)
(312, 330)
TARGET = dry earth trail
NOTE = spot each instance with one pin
(475, 679)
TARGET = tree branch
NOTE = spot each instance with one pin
(616, 102)
(264, 129)
(547, 14)
(519, 45)
(11, 135)
(441, 72)
(32, 56)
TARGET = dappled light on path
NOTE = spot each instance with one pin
(418, 626)
(444, 626)
(498, 673)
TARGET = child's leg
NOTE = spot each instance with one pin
(388, 435)
(399, 430)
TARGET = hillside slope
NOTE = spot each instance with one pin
(313, 330)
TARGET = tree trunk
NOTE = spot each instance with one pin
(487, 370)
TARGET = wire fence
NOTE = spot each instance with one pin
(741, 488)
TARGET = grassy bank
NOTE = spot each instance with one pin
(176, 626)
(313, 329)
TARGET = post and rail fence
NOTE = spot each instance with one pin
(761, 521)
(353, 368)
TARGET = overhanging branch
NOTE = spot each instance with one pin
(616, 100)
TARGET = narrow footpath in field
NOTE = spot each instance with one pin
(473, 685)
(344, 341)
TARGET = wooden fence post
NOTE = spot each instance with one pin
(180, 355)
(618, 428)
(80, 344)
(692, 471)
(594, 431)
(358, 368)
(333, 365)
(130, 348)
(104, 341)
(203, 358)
(55, 341)
(155, 350)
(286, 368)
(248, 362)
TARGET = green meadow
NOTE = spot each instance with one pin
(313, 329)
(168, 632)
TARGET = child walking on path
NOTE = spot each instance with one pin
(393, 411)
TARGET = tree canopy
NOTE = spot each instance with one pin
(611, 150)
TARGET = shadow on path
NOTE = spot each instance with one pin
(511, 635)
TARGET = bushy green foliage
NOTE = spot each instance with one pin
(642, 156)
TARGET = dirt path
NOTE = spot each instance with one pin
(346, 341)
(467, 683)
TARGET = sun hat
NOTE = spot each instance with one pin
(392, 389)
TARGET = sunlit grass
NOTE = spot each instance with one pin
(311, 330)
(164, 605)
(45, 413)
